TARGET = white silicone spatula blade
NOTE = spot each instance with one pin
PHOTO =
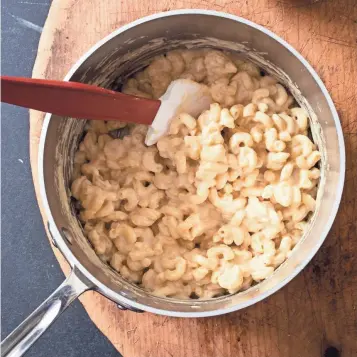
(182, 96)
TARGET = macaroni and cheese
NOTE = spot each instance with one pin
(220, 201)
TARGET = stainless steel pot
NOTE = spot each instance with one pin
(107, 64)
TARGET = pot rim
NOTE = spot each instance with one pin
(67, 253)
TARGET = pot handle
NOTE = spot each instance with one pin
(27, 333)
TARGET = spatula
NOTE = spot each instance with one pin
(78, 100)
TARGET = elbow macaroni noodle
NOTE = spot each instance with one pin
(220, 201)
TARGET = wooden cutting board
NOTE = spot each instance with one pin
(315, 314)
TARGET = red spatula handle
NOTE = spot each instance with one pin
(77, 100)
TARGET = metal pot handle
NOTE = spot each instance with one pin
(27, 333)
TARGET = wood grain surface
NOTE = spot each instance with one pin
(318, 309)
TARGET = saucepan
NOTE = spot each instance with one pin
(108, 64)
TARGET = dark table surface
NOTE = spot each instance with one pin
(30, 271)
